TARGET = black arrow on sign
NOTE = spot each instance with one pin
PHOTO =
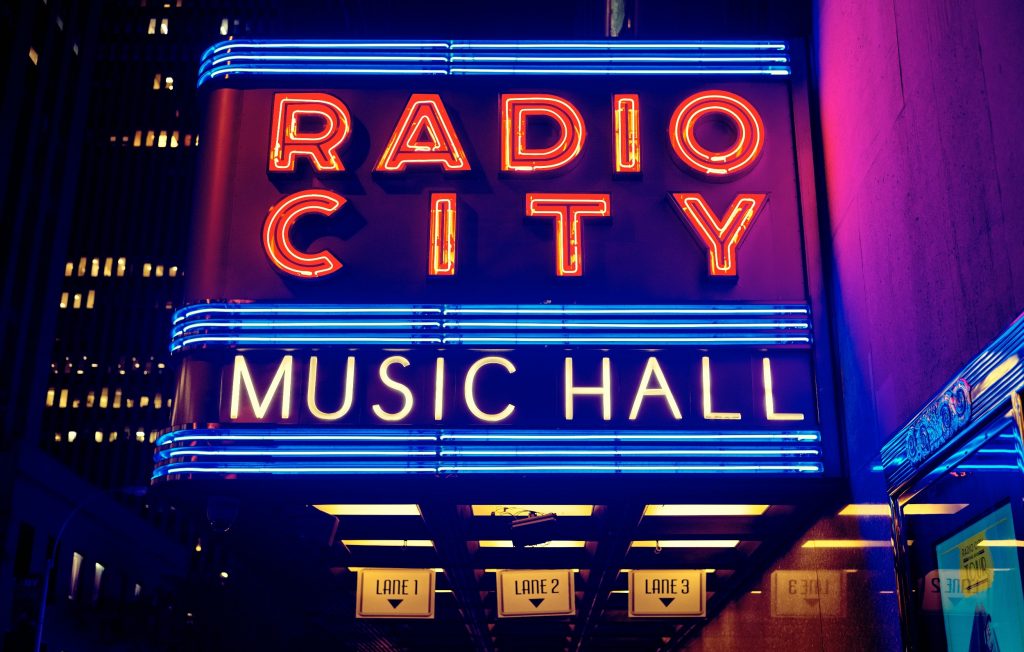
(395, 603)
(536, 601)
(667, 601)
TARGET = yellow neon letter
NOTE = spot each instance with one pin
(705, 371)
(471, 378)
(769, 397)
(604, 390)
(240, 376)
(439, 390)
(644, 390)
(398, 387)
(346, 400)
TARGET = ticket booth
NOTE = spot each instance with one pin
(956, 484)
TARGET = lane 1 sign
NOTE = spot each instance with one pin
(395, 593)
(524, 593)
(667, 593)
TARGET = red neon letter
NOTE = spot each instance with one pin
(424, 135)
(721, 237)
(287, 142)
(279, 222)
(744, 117)
(627, 133)
(568, 211)
(441, 259)
(516, 156)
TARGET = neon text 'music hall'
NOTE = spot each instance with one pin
(492, 388)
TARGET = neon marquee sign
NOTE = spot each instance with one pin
(458, 257)
(426, 138)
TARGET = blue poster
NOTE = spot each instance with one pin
(980, 583)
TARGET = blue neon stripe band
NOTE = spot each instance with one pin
(229, 325)
(445, 58)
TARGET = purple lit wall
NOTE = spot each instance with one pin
(920, 106)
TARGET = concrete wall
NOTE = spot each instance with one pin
(921, 123)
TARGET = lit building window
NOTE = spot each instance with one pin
(152, 436)
(143, 401)
(63, 401)
(158, 401)
(72, 435)
(98, 436)
(121, 264)
(129, 403)
(223, 26)
(112, 437)
(169, 83)
(76, 565)
(69, 268)
(76, 303)
(173, 270)
(63, 299)
(147, 269)
(162, 140)
(159, 270)
(104, 397)
(156, 82)
(108, 266)
(117, 399)
(33, 56)
(90, 299)
(152, 26)
(188, 140)
(50, 395)
(163, 26)
(94, 269)
(137, 142)
(174, 139)
(57, 436)
(150, 138)
(90, 399)
(138, 587)
(140, 436)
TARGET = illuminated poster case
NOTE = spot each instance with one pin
(439, 258)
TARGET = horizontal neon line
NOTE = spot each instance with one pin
(650, 325)
(272, 470)
(711, 310)
(189, 452)
(638, 310)
(298, 434)
(210, 323)
(810, 436)
(528, 58)
(615, 467)
(292, 470)
(570, 339)
(618, 45)
(483, 70)
(711, 452)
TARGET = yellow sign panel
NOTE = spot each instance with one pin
(807, 593)
(395, 593)
(536, 593)
(666, 593)
(976, 573)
